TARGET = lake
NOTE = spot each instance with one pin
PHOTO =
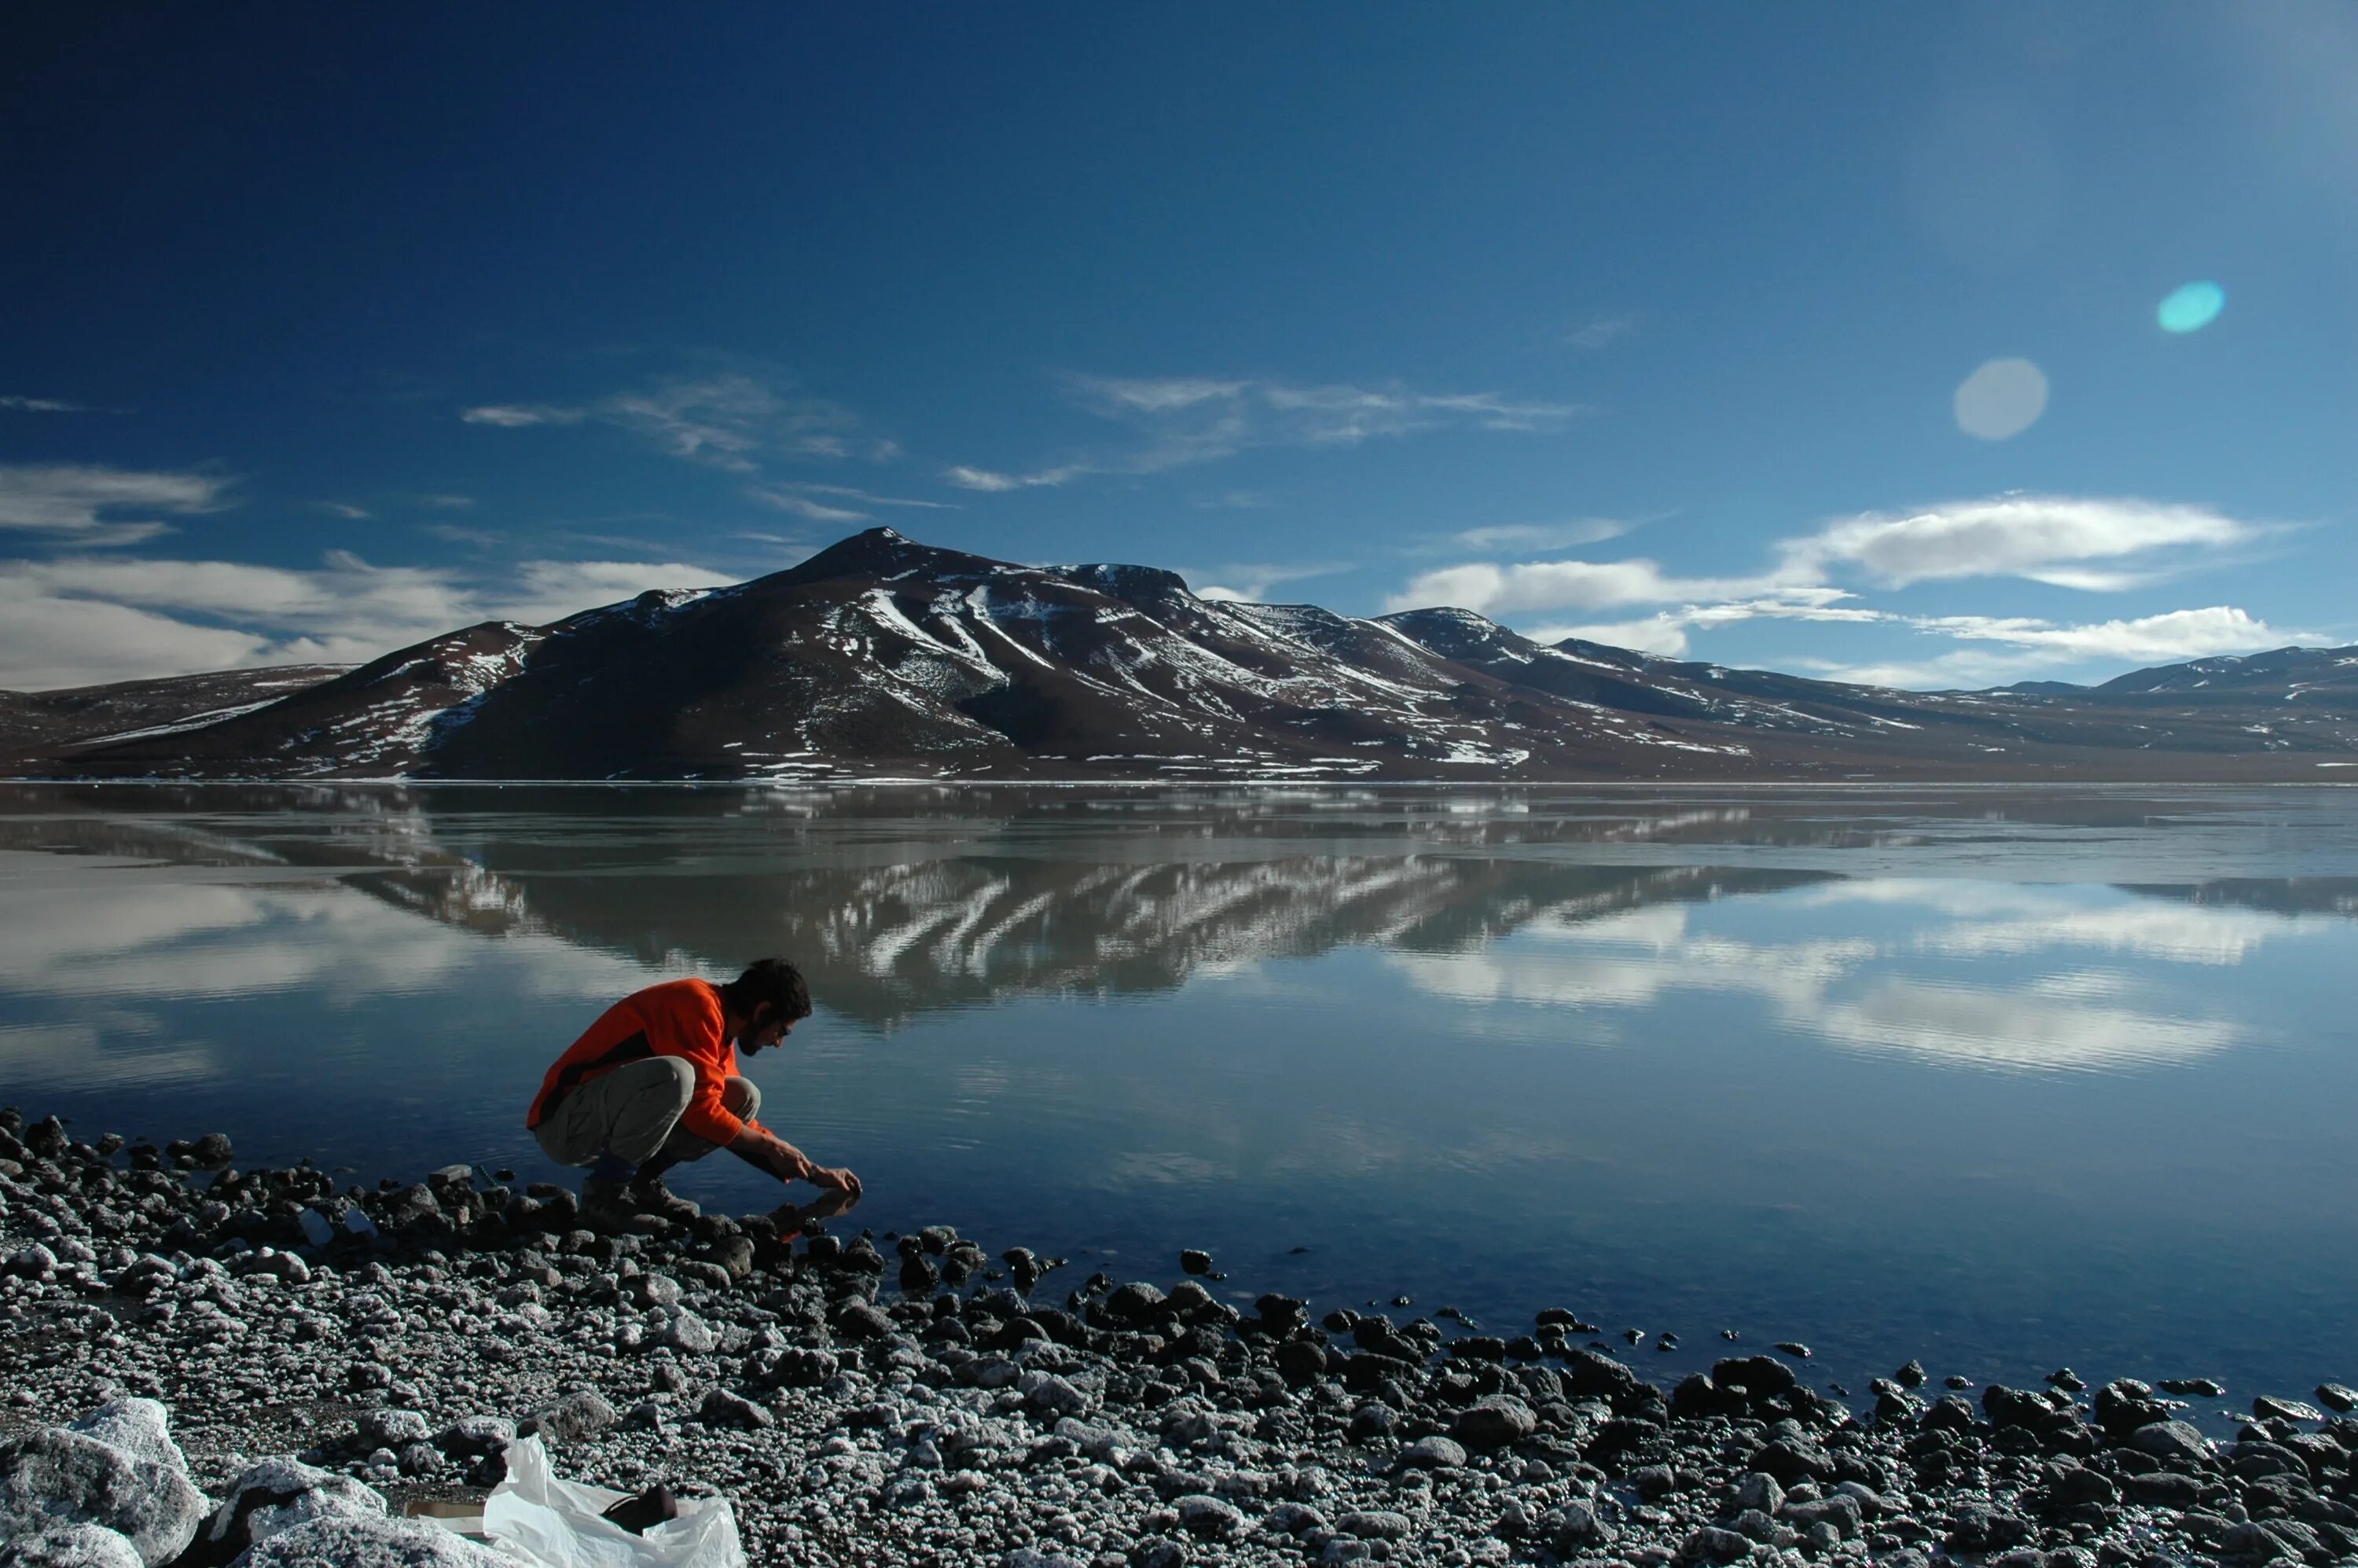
(2001, 1078)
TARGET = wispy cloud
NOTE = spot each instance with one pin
(87, 504)
(1249, 582)
(84, 620)
(17, 405)
(1566, 535)
(801, 501)
(456, 534)
(522, 415)
(449, 502)
(990, 481)
(343, 509)
(1238, 501)
(804, 506)
(1600, 331)
(731, 420)
(869, 498)
(1180, 421)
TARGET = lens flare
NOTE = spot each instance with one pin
(2192, 306)
(2001, 400)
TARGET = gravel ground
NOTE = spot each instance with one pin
(916, 1399)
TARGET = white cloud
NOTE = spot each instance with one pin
(47, 642)
(344, 510)
(2091, 544)
(2042, 537)
(548, 591)
(17, 405)
(2028, 647)
(1665, 634)
(2046, 538)
(86, 620)
(85, 501)
(1492, 590)
(2151, 639)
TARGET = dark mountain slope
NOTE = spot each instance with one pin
(883, 657)
(41, 723)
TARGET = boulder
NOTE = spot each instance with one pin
(1136, 1302)
(371, 1543)
(1433, 1454)
(576, 1416)
(69, 1477)
(1210, 1517)
(1591, 1375)
(1713, 1544)
(274, 1496)
(1759, 1490)
(1495, 1422)
(1375, 1524)
(141, 1428)
(723, 1407)
(53, 1545)
(2172, 1442)
(1574, 1527)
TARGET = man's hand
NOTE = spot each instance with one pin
(771, 1153)
(788, 1163)
(835, 1179)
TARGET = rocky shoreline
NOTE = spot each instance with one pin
(917, 1399)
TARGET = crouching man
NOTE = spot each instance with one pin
(654, 1082)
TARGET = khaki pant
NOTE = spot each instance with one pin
(632, 1112)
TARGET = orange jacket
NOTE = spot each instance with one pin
(678, 1018)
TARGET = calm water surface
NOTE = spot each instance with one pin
(2000, 1079)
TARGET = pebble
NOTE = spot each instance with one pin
(1137, 1424)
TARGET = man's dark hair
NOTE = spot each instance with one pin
(773, 981)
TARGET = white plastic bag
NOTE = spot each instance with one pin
(557, 1524)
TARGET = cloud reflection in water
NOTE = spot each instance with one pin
(1969, 974)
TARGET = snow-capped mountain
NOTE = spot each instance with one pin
(883, 657)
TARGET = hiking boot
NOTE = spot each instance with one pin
(607, 1202)
(649, 1195)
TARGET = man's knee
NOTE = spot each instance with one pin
(743, 1098)
(682, 1079)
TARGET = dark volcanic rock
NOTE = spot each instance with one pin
(1494, 1422)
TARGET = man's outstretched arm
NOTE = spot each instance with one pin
(760, 1147)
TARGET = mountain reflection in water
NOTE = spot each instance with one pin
(1886, 1069)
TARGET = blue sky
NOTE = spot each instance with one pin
(1823, 339)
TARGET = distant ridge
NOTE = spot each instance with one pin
(883, 657)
